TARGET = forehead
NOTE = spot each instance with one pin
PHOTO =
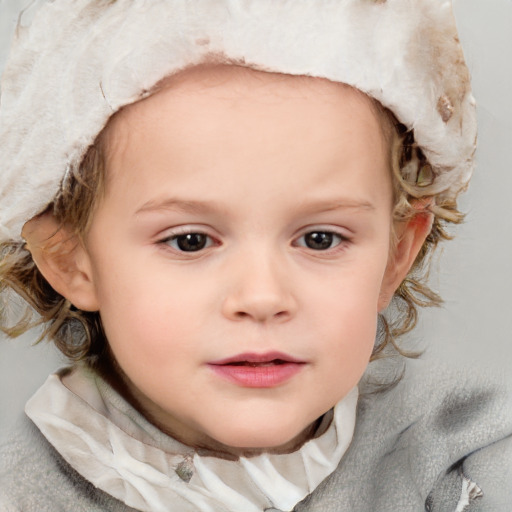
(230, 122)
(236, 84)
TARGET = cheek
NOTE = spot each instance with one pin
(351, 334)
(150, 315)
(345, 321)
(353, 292)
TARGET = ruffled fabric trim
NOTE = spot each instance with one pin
(110, 444)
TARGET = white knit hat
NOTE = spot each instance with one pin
(82, 60)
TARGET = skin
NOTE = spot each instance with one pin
(255, 161)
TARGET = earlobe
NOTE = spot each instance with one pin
(62, 259)
(411, 236)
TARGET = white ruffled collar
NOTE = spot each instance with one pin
(114, 447)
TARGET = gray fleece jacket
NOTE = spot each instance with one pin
(439, 441)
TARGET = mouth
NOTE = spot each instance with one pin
(258, 370)
(256, 365)
(250, 358)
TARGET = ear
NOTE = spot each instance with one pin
(410, 235)
(62, 259)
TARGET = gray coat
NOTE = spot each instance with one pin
(439, 441)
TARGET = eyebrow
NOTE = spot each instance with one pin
(180, 205)
(337, 204)
(205, 207)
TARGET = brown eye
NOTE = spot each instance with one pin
(320, 240)
(191, 242)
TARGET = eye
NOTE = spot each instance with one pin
(320, 240)
(189, 242)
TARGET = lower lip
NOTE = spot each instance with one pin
(262, 376)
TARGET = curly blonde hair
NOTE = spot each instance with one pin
(79, 334)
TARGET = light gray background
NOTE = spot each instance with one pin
(473, 272)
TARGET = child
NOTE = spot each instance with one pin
(210, 207)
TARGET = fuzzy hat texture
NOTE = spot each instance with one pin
(80, 61)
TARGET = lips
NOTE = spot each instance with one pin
(258, 370)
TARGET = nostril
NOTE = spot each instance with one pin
(259, 307)
(240, 315)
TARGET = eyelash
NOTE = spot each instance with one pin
(168, 240)
(209, 241)
(333, 235)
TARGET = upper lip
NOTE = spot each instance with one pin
(252, 357)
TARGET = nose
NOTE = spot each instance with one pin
(259, 291)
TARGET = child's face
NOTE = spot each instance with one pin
(246, 219)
